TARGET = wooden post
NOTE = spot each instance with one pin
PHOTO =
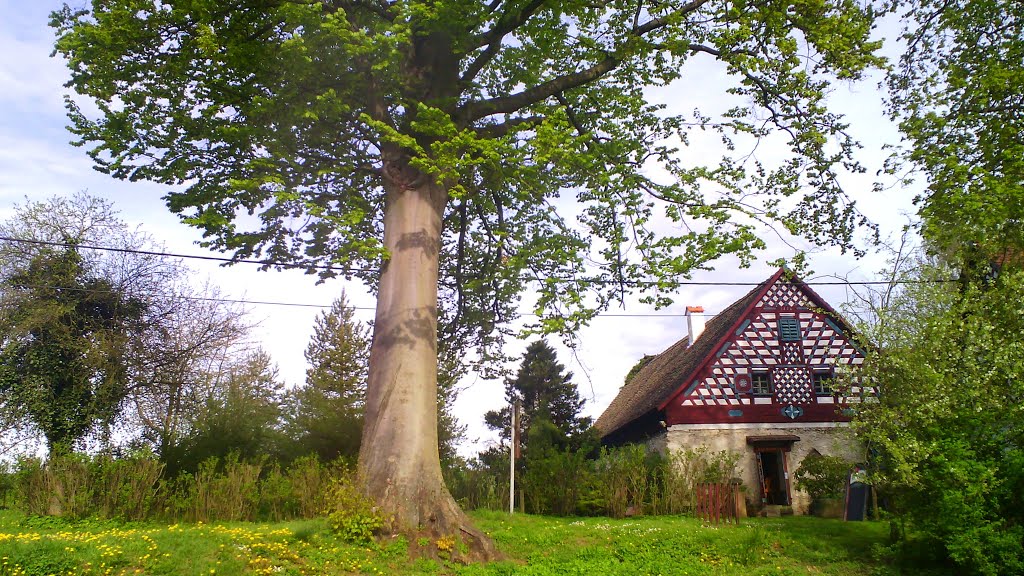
(512, 458)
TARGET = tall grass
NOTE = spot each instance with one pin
(76, 486)
(625, 481)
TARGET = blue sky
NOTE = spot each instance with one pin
(36, 161)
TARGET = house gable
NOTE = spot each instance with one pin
(789, 340)
(712, 381)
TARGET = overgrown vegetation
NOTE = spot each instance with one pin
(946, 428)
(620, 482)
(131, 488)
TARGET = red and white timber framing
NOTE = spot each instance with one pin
(721, 392)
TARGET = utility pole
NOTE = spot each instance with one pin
(513, 449)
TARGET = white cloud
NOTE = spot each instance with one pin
(32, 81)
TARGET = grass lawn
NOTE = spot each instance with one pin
(533, 545)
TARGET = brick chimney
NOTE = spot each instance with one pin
(694, 322)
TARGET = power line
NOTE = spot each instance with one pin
(308, 305)
(328, 267)
(184, 256)
(192, 298)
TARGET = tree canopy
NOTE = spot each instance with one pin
(72, 318)
(62, 361)
(275, 124)
(946, 430)
(958, 93)
(100, 331)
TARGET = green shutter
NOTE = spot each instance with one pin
(789, 329)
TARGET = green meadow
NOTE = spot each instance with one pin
(532, 545)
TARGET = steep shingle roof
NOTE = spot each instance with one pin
(671, 369)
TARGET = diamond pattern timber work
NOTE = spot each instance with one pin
(792, 353)
(792, 385)
(824, 342)
(755, 347)
(783, 295)
(722, 377)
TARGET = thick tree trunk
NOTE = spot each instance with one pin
(398, 458)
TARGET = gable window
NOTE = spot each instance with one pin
(822, 382)
(760, 384)
(789, 329)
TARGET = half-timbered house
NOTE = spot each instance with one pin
(757, 379)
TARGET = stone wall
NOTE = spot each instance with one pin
(828, 438)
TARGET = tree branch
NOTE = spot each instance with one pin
(706, 49)
(499, 130)
(460, 263)
(508, 22)
(506, 104)
(656, 23)
(493, 37)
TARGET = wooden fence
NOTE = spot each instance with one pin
(719, 502)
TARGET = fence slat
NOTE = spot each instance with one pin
(716, 502)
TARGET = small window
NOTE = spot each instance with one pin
(760, 384)
(789, 329)
(822, 382)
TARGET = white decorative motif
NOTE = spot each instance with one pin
(792, 385)
(792, 353)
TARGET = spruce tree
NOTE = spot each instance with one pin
(327, 413)
(546, 392)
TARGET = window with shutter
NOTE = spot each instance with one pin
(822, 383)
(789, 329)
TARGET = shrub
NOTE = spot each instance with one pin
(308, 479)
(682, 471)
(277, 497)
(126, 488)
(232, 495)
(350, 513)
(33, 494)
(475, 486)
(634, 481)
(554, 473)
(822, 476)
(61, 486)
(623, 473)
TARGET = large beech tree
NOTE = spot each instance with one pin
(453, 153)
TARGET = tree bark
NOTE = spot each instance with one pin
(398, 457)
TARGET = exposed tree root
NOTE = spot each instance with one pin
(444, 532)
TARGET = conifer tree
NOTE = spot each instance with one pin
(327, 412)
(546, 392)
